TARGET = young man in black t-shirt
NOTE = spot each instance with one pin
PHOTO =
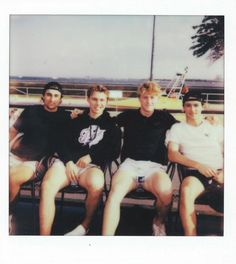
(40, 127)
(144, 157)
(90, 140)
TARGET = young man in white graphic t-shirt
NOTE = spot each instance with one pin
(198, 145)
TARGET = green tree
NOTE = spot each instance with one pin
(209, 38)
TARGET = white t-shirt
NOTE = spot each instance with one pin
(203, 143)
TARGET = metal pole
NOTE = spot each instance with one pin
(153, 44)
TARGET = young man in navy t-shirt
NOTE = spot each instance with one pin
(144, 159)
(39, 128)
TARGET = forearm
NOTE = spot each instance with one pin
(12, 133)
(207, 171)
(176, 156)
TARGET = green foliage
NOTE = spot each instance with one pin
(209, 38)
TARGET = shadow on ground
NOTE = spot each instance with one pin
(135, 221)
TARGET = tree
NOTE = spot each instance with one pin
(209, 38)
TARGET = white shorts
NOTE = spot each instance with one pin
(141, 169)
(16, 161)
(80, 170)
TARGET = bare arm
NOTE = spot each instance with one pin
(12, 133)
(75, 112)
(84, 161)
(175, 156)
(213, 119)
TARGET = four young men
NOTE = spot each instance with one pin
(94, 138)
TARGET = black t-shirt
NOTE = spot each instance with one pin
(144, 137)
(42, 132)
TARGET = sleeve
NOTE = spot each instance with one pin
(20, 123)
(121, 119)
(109, 147)
(220, 134)
(169, 119)
(64, 148)
(173, 135)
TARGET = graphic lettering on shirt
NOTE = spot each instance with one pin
(91, 135)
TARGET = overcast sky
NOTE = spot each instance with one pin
(105, 46)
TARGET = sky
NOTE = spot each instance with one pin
(111, 46)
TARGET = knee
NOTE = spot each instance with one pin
(165, 197)
(162, 186)
(19, 177)
(48, 188)
(186, 196)
(12, 179)
(96, 182)
(115, 196)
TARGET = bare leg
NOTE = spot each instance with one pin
(122, 183)
(54, 180)
(191, 188)
(93, 181)
(18, 175)
(160, 185)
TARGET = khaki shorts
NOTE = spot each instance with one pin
(39, 168)
(16, 161)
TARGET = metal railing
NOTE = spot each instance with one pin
(21, 91)
(209, 97)
(33, 90)
(214, 97)
(116, 94)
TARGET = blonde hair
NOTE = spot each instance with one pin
(150, 87)
(98, 88)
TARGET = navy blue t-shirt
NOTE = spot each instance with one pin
(144, 137)
(42, 132)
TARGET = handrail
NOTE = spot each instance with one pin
(207, 100)
(126, 93)
(116, 109)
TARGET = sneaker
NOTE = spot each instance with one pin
(78, 231)
(159, 230)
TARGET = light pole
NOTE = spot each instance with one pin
(153, 45)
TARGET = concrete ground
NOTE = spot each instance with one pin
(136, 219)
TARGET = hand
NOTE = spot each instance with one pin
(219, 177)
(213, 120)
(206, 170)
(75, 113)
(71, 172)
(84, 161)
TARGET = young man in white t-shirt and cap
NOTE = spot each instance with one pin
(198, 145)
